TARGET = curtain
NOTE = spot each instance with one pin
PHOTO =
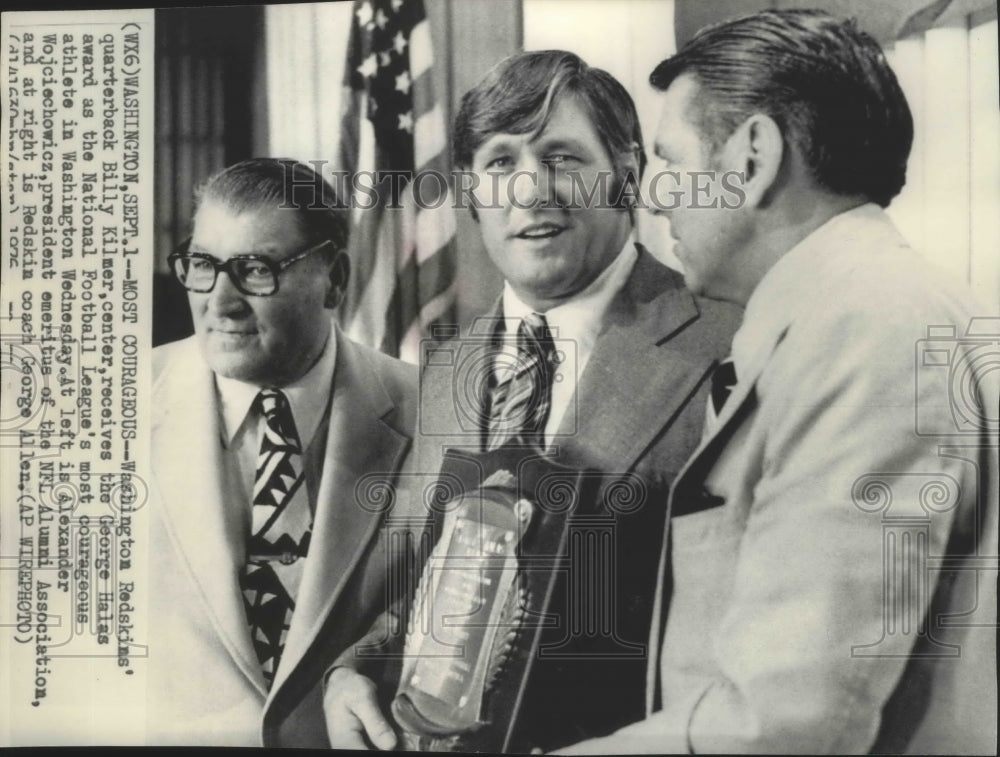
(208, 115)
(948, 208)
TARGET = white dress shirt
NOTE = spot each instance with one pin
(575, 325)
(241, 430)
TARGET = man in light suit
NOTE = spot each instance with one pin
(553, 147)
(829, 579)
(266, 557)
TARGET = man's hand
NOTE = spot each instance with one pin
(352, 712)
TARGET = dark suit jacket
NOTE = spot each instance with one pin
(206, 685)
(636, 415)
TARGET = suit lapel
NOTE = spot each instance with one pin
(204, 524)
(453, 386)
(732, 411)
(359, 442)
(689, 482)
(621, 387)
(607, 424)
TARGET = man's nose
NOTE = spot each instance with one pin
(225, 299)
(661, 187)
(534, 184)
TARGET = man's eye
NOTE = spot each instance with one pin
(254, 270)
(200, 265)
(560, 159)
(502, 161)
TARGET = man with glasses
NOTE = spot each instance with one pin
(265, 562)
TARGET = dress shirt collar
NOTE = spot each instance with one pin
(787, 286)
(580, 317)
(307, 396)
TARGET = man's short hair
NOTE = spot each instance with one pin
(518, 94)
(281, 183)
(825, 83)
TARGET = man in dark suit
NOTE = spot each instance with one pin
(622, 351)
(828, 584)
(265, 565)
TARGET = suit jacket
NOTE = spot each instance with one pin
(206, 685)
(829, 581)
(636, 415)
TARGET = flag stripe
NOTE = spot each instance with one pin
(428, 137)
(365, 222)
(435, 229)
(421, 55)
(435, 275)
(420, 283)
(402, 257)
(366, 323)
(440, 307)
(422, 93)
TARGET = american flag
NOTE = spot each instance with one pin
(402, 256)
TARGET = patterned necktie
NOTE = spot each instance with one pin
(279, 538)
(723, 381)
(520, 401)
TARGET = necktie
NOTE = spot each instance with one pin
(280, 532)
(521, 399)
(723, 381)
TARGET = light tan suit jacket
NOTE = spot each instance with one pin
(206, 686)
(829, 581)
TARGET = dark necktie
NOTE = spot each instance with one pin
(521, 399)
(279, 536)
(723, 381)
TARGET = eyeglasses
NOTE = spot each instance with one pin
(254, 275)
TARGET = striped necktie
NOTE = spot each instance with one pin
(520, 402)
(280, 532)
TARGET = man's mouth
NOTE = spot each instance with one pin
(233, 332)
(540, 231)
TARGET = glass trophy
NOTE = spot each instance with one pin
(480, 604)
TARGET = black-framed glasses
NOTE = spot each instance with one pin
(254, 275)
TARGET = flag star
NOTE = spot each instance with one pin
(396, 5)
(406, 121)
(364, 14)
(369, 68)
(403, 82)
(399, 43)
(381, 19)
(383, 58)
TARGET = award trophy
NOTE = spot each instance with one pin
(480, 606)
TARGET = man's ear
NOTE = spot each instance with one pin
(756, 148)
(340, 272)
(627, 178)
(634, 160)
